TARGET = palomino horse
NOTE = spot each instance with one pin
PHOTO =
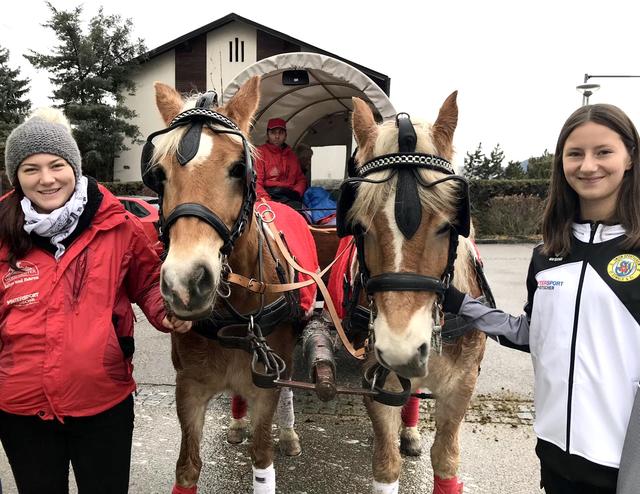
(201, 165)
(409, 212)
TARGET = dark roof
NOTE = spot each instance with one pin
(237, 18)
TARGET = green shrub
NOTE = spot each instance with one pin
(514, 216)
(129, 189)
(482, 191)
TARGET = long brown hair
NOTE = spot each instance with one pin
(563, 205)
(12, 234)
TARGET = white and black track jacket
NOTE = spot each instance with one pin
(582, 325)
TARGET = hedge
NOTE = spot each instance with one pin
(129, 189)
(482, 191)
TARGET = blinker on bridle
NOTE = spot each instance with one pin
(197, 119)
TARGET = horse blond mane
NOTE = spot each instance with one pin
(441, 199)
(167, 144)
(464, 267)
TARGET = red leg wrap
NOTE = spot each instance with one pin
(411, 412)
(238, 407)
(447, 486)
(184, 490)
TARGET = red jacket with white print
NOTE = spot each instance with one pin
(66, 326)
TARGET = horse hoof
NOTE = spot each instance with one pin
(289, 443)
(235, 436)
(290, 448)
(410, 442)
(237, 432)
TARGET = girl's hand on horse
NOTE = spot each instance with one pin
(174, 324)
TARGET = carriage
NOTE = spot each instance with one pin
(313, 92)
(230, 265)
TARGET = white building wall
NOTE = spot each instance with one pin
(160, 68)
(221, 71)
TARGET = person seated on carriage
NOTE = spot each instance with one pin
(280, 177)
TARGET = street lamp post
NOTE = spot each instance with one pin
(588, 89)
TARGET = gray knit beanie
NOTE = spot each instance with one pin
(47, 130)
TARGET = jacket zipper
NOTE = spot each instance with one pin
(574, 336)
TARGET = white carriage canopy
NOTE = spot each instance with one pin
(318, 112)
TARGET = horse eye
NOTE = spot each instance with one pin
(237, 170)
(444, 229)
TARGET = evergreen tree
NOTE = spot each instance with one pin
(540, 166)
(494, 163)
(13, 105)
(477, 166)
(92, 72)
(514, 171)
(472, 162)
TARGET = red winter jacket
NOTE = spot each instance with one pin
(278, 167)
(61, 321)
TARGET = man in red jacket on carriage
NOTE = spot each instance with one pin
(280, 177)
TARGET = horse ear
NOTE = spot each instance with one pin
(168, 101)
(364, 126)
(244, 103)
(445, 126)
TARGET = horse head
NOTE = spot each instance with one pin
(201, 166)
(409, 208)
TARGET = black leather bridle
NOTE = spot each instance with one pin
(153, 176)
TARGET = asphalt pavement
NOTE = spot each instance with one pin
(497, 440)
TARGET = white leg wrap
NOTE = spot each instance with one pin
(264, 480)
(382, 488)
(286, 418)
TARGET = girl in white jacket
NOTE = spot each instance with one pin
(582, 317)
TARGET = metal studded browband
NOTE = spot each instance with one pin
(398, 160)
(187, 115)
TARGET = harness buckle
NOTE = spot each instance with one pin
(256, 286)
(436, 332)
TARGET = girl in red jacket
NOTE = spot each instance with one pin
(72, 261)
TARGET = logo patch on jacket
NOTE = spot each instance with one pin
(549, 284)
(624, 267)
(27, 272)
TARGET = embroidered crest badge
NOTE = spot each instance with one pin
(625, 267)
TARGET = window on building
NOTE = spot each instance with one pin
(236, 50)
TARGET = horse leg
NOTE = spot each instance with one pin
(239, 424)
(191, 402)
(289, 442)
(263, 407)
(445, 452)
(386, 460)
(410, 440)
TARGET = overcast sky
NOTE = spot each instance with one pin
(515, 64)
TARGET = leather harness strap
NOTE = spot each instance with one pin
(359, 353)
(261, 287)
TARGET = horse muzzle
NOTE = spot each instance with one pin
(191, 293)
(416, 366)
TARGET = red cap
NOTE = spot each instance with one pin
(276, 123)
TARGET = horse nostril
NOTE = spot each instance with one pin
(423, 350)
(202, 280)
